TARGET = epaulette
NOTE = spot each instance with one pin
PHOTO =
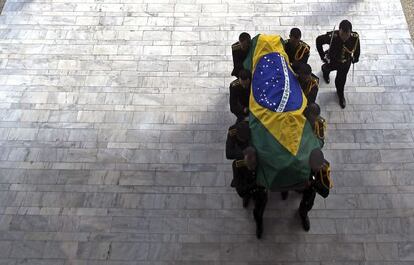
(304, 44)
(313, 82)
(302, 50)
(232, 131)
(236, 46)
(314, 79)
(320, 127)
(354, 35)
(235, 83)
(240, 163)
(329, 33)
(324, 175)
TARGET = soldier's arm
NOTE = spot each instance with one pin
(234, 181)
(235, 107)
(232, 150)
(312, 94)
(237, 63)
(305, 57)
(320, 41)
(357, 52)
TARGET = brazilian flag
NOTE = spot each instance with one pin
(280, 133)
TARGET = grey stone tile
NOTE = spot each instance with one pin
(199, 252)
(93, 250)
(40, 262)
(33, 223)
(352, 226)
(240, 252)
(128, 251)
(95, 224)
(172, 178)
(341, 136)
(27, 249)
(396, 155)
(168, 225)
(405, 251)
(388, 116)
(5, 221)
(342, 201)
(7, 261)
(22, 134)
(207, 179)
(381, 251)
(163, 251)
(338, 252)
(60, 250)
(200, 201)
(369, 136)
(6, 247)
(397, 136)
(177, 136)
(113, 124)
(129, 224)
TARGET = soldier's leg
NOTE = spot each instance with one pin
(326, 69)
(340, 81)
(260, 201)
(241, 191)
(260, 198)
(305, 206)
(284, 195)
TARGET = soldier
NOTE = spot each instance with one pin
(319, 182)
(313, 115)
(318, 124)
(308, 82)
(297, 50)
(240, 50)
(237, 140)
(311, 112)
(344, 49)
(244, 180)
(239, 95)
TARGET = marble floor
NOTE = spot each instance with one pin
(113, 117)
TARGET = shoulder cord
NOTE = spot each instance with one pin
(327, 171)
(301, 52)
(319, 131)
(311, 84)
(353, 50)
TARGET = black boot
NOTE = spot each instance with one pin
(305, 221)
(285, 195)
(245, 202)
(259, 227)
(325, 75)
(342, 102)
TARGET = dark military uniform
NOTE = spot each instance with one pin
(308, 197)
(238, 58)
(319, 127)
(239, 99)
(310, 88)
(297, 55)
(340, 54)
(234, 147)
(244, 180)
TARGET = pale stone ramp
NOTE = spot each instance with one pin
(112, 127)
